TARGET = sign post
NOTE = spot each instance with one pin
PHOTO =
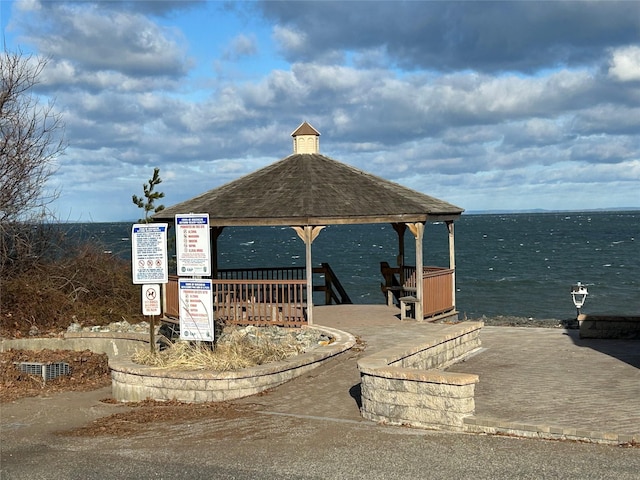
(149, 267)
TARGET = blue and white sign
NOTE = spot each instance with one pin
(196, 310)
(149, 253)
(193, 246)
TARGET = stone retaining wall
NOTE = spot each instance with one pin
(406, 385)
(114, 344)
(132, 382)
(609, 326)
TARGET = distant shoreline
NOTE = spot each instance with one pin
(540, 210)
(466, 212)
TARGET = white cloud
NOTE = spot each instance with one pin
(403, 92)
(66, 75)
(625, 64)
(97, 38)
(288, 39)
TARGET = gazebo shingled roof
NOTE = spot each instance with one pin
(312, 189)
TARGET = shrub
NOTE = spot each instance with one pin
(85, 285)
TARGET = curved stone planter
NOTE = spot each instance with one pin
(132, 382)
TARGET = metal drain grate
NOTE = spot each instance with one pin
(48, 371)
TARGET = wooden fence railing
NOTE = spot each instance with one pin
(260, 302)
(437, 287)
(250, 302)
(268, 273)
(437, 291)
(260, 296)
(331, 286)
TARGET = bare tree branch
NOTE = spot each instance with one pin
(31, 140)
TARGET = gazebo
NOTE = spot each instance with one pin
(308, 191)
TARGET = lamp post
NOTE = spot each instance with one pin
(579, 295)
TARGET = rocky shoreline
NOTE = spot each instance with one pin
(512, 321)
(170, 331)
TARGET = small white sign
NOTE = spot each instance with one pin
(149, 253)
(196, 310)
(193, 247)
(151, 300)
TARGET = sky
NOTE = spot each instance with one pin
(487, 105)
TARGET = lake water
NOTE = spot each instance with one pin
(506, 264)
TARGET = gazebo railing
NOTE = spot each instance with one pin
(260, 296)
(266, 273)
(250, 302)
(260, 302)
(437, 291)
(333, 290)
(437, 287)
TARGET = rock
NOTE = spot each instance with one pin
(74, 328)
(306, 339)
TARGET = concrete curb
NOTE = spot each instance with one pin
(497, 427)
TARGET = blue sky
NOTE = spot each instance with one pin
(487, 105)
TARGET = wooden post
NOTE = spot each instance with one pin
(308, 234)
(418, 232)
(452, 262)
(152, 333)
(400, 228)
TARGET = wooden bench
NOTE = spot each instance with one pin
(396, 291)
(406, 303)
(391, 293)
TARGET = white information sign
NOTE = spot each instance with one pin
(196, 310)
(149, 253)
(193, 247)
(151, 300)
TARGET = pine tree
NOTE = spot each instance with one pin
(151, 196)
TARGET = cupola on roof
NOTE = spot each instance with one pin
(306, 139)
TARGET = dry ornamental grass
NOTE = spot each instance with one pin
(241, 348)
